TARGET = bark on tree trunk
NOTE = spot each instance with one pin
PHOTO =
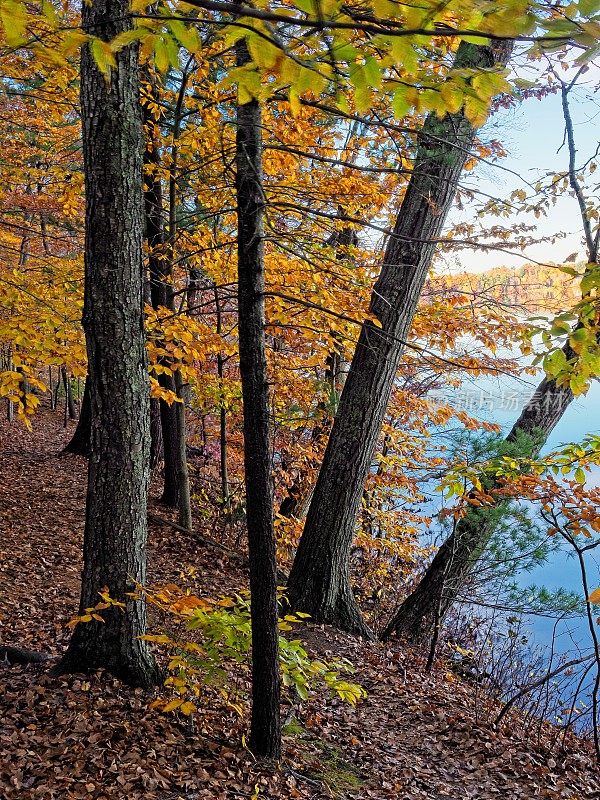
(299, 494)
(319, 583)
(160, 290)
(458, 555)
(81, 440)
(69, 401)
(156, 439)
(265, 732)
(430, 602)
(184, 499)
(114, 549)
(222, 414)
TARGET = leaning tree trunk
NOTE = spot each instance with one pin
(265, 733)
(319, 583)
(114, 549)
(421, 614)
(427, 606)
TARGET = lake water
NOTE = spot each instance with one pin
(500, 400)
(562, 570)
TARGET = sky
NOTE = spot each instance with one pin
(532, 135)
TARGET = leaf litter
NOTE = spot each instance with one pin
(416, 736)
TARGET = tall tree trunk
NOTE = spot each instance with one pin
(159, 269)
(114, 550)
(156, 438)
(184, 499)
(80, 443)
(222, 413)
(297, 499)
(319, 583)
(265, 734)
(430, 602)
(10, 406)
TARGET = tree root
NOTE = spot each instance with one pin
(9, 656)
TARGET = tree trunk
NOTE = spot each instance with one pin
(299, 494)
(319, 583)
(184, 499)
(430, 602)
(114, 549)
(69, 401)
(160, 293)
(453, 563)
(80, 443)
(10, 406)
(265, 733)
(156, 439)
(222, 414)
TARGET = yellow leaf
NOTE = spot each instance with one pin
(595, 597)
(103, 56)
(453, 96)
(173, 705)
(161, 55)
(14, 22)
(294, 102)
(476, 111)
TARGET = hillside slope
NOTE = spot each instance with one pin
(415, 736)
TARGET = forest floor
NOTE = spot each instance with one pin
(417, 735)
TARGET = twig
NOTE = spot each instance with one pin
(282, 576)
(202, 539)
(530, 687)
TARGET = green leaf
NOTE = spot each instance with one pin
(103, 56)
(14, 22)
(172, 50)
(233, 34)
(372, 72)
(161, 55)
(187, 36)
(591, 280)
(305, 5)
(554, 363)
(404, 54)
(400, 103)
(588, 7)
(127, 37)
(263, 53)
(363, 99)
